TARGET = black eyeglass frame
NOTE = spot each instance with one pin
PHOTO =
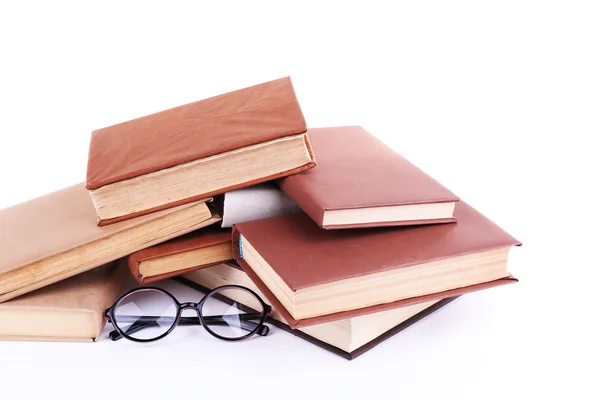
(118, 333)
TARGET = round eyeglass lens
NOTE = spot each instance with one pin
(232, 313)
(146, 314)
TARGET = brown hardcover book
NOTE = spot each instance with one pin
(55, 236)
(307, 322)
(71, 310)
(198, 249)
(349, 337)
(197, 150)
(313, 272)
(360, 182)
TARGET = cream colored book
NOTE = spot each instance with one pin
(255, 202)
(71, 310)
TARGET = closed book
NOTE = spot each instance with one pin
(361, 183)
(197, 249)
(349, 337)
(70, 310)
(317, 275)
(55, 236)
(197, 150)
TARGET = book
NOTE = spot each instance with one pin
(361, 183)
(313, 272)
(306, 322)
(55, 236)
(255, 202)
(348, 337)
(197, 150)
(197, 249)
(70, 310)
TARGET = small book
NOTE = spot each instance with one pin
(198, 249)
(53, 237)
(361, 183)
(71, 310)
(197, 150)
(255, 202)
(314, 273)
(349, 337)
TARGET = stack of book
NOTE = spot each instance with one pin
(347, 240)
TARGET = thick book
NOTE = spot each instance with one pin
(361, 182)
(71, 310)
(314, 273)
(255, 202)
(348, 337)
(197, 150)
(55, 236)
(198, 249)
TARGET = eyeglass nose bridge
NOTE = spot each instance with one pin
(186, 306)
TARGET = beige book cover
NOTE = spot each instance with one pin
(55, 236)
(71, 310)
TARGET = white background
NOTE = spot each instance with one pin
(499, 102)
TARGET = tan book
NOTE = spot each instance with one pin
(349, 337)
(71, 310)
(197, 150)
(54, 237)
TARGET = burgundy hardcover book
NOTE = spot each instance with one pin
(312, 275)
(360, 182)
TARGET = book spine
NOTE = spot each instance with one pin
(296, 191)
(236, 243)
(134, 267)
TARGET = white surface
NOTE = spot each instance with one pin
(256, 202)
(499, 102)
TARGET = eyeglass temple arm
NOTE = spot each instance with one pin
(143, 322)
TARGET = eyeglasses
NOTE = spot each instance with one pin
(229, 312)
